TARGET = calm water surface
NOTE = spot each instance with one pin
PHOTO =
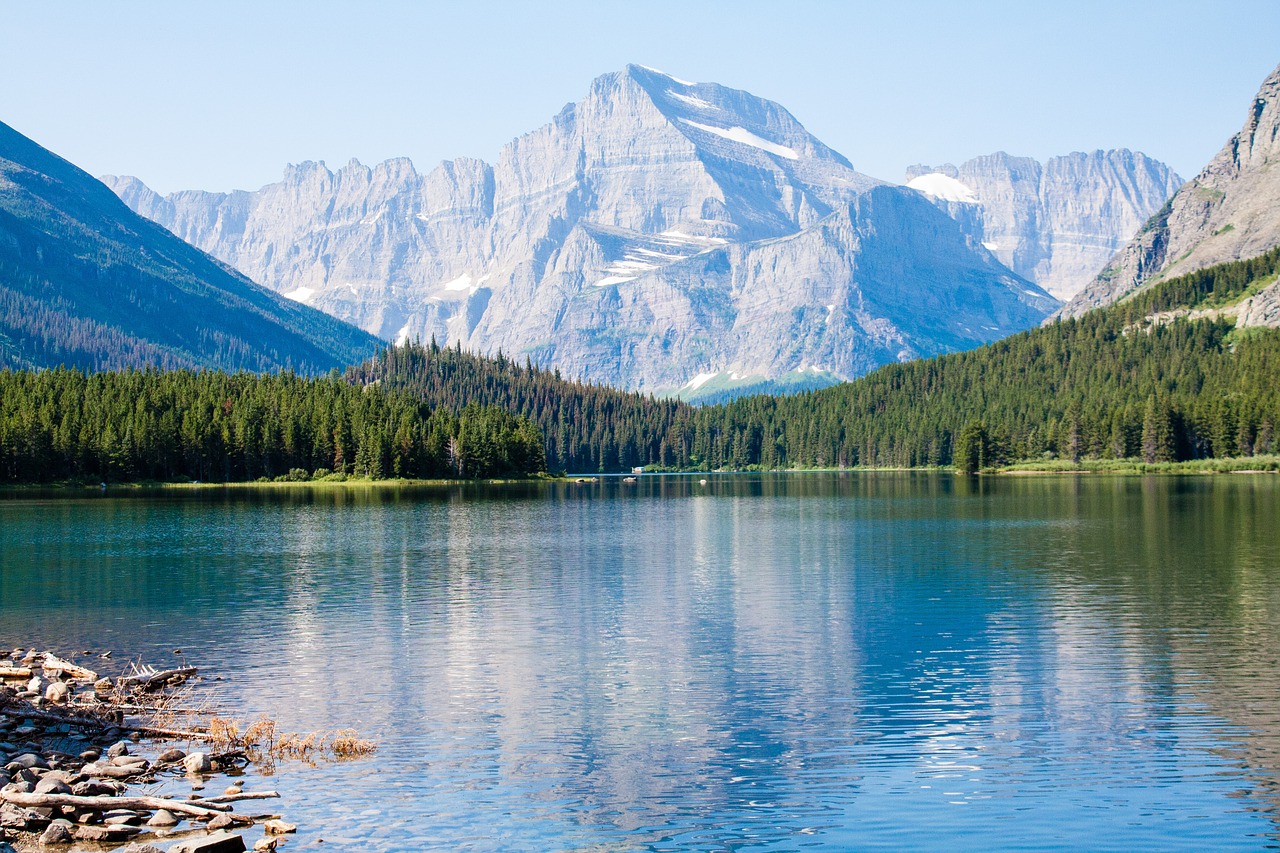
(817, 662)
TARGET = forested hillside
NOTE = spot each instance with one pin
(586, 427)
(152, 425)
(1137, 380)
(86, 282)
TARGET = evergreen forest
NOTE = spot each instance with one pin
(139, 425)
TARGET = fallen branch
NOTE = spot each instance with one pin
(107, 803)
(82, 718)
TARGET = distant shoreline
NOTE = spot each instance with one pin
(1111, 467)
(264, 484)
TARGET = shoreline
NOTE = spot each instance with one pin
(1113, 467)
(92, 759)
(161, 485)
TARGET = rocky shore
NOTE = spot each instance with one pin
(81, 754)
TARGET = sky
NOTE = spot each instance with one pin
(223, 95)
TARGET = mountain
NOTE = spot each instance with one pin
(1230, 211)
(1056, 223)
(656, 234)
(86, 282)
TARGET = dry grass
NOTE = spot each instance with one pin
(261, 740)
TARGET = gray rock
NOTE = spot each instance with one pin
(30, 759)
(56, 833)
(118, 749)
(122, 820)
(94, 788)
(170, 756)
(137, 847)
(105, 833)
(1230, 211)
(218, 842)
(17, 817)
(57, 692)
(163, 818)
(52, 786)
(130, 761)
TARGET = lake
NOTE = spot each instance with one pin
(765, 662)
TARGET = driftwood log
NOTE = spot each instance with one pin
(209, 809)
(235, 798)
(147, 683)
(53, 663)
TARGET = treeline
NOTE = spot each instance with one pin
(585, 427)
(136, 425)
(1111, 384)
(1115, 383)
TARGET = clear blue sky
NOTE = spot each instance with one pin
(222, 95)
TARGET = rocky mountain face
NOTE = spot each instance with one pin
(653, 235)
(85, 282)
(1230, 211)
(1056, 223)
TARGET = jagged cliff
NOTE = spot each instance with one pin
(655, 232)
(1056, 223)
(1228, 212)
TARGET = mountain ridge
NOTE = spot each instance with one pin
(1058, 222)
(1230, 211)
(621, 242)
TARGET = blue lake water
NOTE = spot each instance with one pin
(764, 662)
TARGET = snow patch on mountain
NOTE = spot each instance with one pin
(668, 76)
(943, 187)
(692, 100)
(745, 137)
(698, 381)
